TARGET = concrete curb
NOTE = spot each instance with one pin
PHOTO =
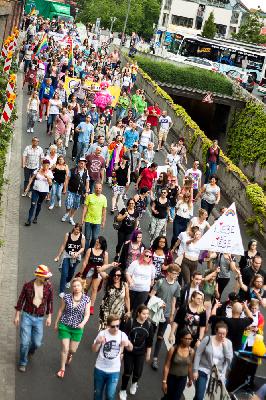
(9, 233)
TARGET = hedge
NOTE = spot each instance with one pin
(190, 77)
(247, 135)
(6, 130)
(254, 192)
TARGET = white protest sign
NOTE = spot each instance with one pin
(224, 235)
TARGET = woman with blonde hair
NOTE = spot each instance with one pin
(191, 316)
(200, 221)
(72, 316)
(32, 111)
(184, 211)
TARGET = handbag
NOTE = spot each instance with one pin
(116, 224)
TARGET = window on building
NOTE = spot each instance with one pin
(221, 29)
(168, 4)
(234, 18)
(182, 21)
(165, 19)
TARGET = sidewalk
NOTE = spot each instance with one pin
(9, 234)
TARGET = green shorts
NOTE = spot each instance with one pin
(66, 332)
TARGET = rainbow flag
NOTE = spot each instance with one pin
(43, 45)
(70, 54)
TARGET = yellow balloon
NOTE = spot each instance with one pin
(259, 348)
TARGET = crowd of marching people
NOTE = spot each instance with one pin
(96, 142)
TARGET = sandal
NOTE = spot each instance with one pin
(69, 358)
(60, 374)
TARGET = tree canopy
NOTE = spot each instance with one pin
(250, 30)
(209, 28)
(143, 14)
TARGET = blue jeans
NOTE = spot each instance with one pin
(36, 203)
(141, 148)
(67, 272)
(82, 149)
(200, 386)
(107, 380)
(56, 192)
(212, 169)
(172, 212)
(179, 225)
(91, 233)
(31, 334)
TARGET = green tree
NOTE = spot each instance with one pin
(209, 28)
(143, 14)
(250, 29)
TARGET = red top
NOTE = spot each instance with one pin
(25, 301)
(147, 178)
(154, 114)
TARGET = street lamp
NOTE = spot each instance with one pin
(127, 15)
(113, 19)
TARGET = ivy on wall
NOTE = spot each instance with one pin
(247, 135)
(254, 192)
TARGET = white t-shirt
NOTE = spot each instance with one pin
(210, 193)
(142, 276)
(165, 122)
(126, 81)
(146, 137)
(192, 251)
(196, 175)
(202, 226)
(41, 183)
(173, 161)
(108, 359)
(34, 105)
(182, 210)
(183, 237)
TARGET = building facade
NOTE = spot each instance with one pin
(189, 16)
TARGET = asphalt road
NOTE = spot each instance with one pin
(38, 244)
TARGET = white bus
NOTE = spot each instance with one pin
(228, 54)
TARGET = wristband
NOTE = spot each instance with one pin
(164, 382)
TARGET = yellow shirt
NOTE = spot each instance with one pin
(95, 206)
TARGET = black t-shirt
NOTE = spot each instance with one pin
(185, 318)
(172, 196)
(121, 175)
(236, 327)
(128, 224)
(140, 335)
(162, 208)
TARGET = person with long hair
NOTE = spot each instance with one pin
(178, 366)
(128, 217)
(32, 111)
(116, 296)
(213, 350)
(60, 172)
(162, 182)
(122, 180)
(70, 250)
(131, 249)
(200, 221)
(254, 290)
(161, 256)
(95, 257)
(193, 317)
(140, 332)
(53, 110)
(252, 251)
(140, 277)
(41, 180)
(210, 194)
(190, 256)
(160, 212)
(184, 211)
(72, 316)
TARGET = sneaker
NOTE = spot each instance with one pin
(28, 223)
(65, 218)
(61, 295)
(32, 130)
(71, 139)
(91, 310)
(59, 203)
(123, 395)
(154, 364)
(24, 194)
(40, 119)
(46, 118)
(29, 194)
(133, 388)
(67, 285)
(50, 208)
(71, 221)
(28, 130)
(22, 368)
(34, 221)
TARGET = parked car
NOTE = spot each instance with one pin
(202, 63)
(262, 87)
(245, 79)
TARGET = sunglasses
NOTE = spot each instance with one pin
(114, 326)
(148, 255)
(119, 275)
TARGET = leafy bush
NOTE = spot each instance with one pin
(247, 135)
(191, 77)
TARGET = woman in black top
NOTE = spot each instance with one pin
(250, 253)
(120, 180)
(71, 250)
(140, 333)
(60, 172)
(95, 257)
(129, 218)
(160, 211)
